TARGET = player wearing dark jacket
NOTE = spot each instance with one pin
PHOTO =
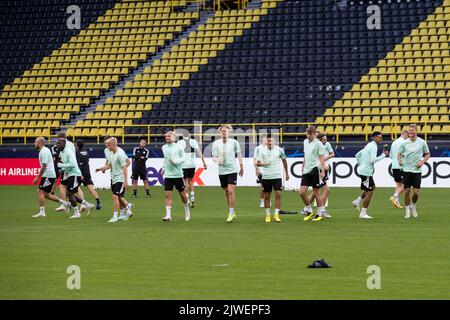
(83, 164)
(139, 168)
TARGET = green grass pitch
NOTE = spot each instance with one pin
(207, 258)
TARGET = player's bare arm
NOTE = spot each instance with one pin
(241, 164)
(425, 159)
(125, 176)
(285, 166)
(322, 165)
(399, 158)
(41, 172)
(331, 155)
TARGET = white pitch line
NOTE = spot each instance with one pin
(220, 265)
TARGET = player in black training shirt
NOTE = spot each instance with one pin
(83, 164)
(139, 169)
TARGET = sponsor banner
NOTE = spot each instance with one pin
(435, 173)
(343, 173)
(18, 171)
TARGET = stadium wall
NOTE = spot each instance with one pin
(436, 173)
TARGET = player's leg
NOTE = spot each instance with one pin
(71, 185)
(231, 180)
(62, 195)
(324, 199)
(227, 199)
(95, 195)
(135, 187)
(365, 204)
(303, 192)
(231, 197)
(364, 186)
(54, 198)
(261, 192)
(398, 178)
(168, 203)
(367, 198)
(367, 187)
(408, 185)
(144, 177)
(312, 198)
(79, 197)
(416, 181)
(398, 191)
(415, 198)
(407, 202)
(116, 208)
(125, 205)
(41, 203)
(73, 203)
(80, 194)
(180, 186)
(190, 184)
(168, 188)
(277, 186)
(267, 191)
(146, 187)
(320, 207)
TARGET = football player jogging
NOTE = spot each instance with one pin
(124, 205)
(117, 162)
(224, 152)
(191, 149)
(397, 171)
(412, 156)
(366, 158)
(313, 172)
(174, 157)
(62, 189)
(269, 158)
(139, 169)
(328, 154)
(259, 170)
(46, 177)
(71, 177)
(86, 179)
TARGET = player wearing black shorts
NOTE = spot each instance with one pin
(366, 158)
(174, 156)
(86, 179)
(397, 169)
(139, 168)
(62, 191)
(269, 158)
(72, 177)
(192, 150)
(412, 156)
(311, 174)
(224, 152)
(46, 177)
(259, 170)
